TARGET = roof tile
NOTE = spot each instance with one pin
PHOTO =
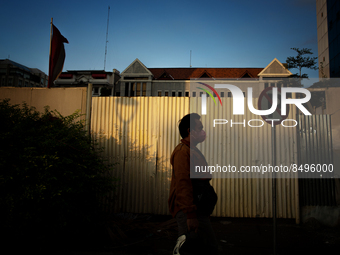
(218, 73)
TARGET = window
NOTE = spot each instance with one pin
(166, 93)
(201, 93)
(179, 93)
(229, 94)
(138, 89)
(186, 93)
(173, 93)
(105, 91)
(132, 89)
(246, 76)
(117, 94)
(126, 89)
(272, 84)
(159, 93)
(266, 85)
(222, 94)
(205, 75)
(135, 89)
(144, 89)
(194, 94)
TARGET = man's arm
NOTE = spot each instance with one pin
(184, 191)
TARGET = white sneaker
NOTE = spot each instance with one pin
(180, 242)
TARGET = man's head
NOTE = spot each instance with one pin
(190, 122)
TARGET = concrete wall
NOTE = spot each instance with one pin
(64, 100)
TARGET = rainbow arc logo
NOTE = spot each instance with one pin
(213, 90)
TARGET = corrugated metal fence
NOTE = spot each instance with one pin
(316, 148)
(242, 145)
(139, 133)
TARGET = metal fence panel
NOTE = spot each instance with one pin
(316, 148)
(249, 146)
(139, 133)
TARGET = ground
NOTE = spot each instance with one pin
(130, 234)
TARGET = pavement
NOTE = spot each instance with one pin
(156, 235)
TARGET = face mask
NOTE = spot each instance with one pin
(198, 136)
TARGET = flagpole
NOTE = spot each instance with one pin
(51, 35)
(49, 61)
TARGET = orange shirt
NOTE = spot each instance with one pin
(181, 190)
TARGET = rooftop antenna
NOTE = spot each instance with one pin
(190, 59)
(107, 34)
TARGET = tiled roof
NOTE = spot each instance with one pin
(189, 73)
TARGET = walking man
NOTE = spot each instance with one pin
(191, 200)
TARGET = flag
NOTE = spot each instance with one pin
(57, 56)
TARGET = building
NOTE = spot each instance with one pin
(103, 82)
(328, 29)
(138, 80)
(13, 74)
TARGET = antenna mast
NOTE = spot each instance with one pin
(107, 35)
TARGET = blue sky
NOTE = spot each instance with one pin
(220, 33)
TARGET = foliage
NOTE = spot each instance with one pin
(301, 61)
(52, 176)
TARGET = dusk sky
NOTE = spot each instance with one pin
(220, 33)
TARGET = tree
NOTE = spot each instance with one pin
(52, 179)
(302, 61)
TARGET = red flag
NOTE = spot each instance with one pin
(57, 56)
